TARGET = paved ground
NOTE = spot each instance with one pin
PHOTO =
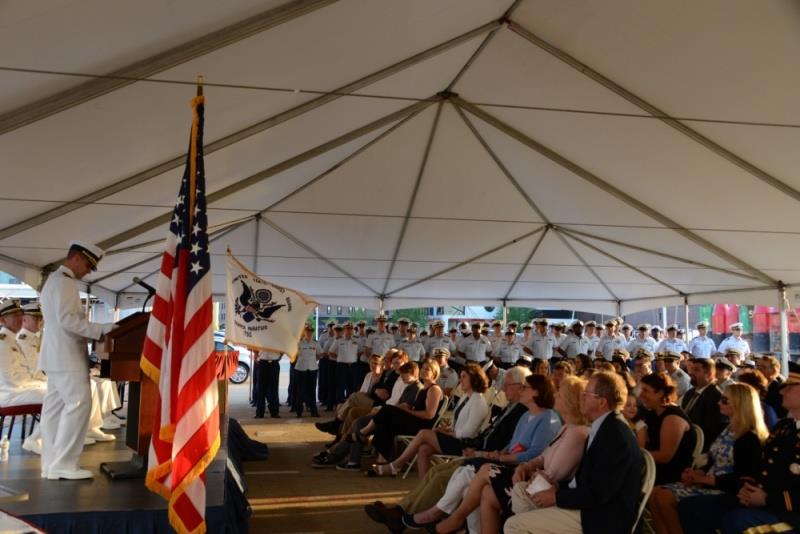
(288, 496)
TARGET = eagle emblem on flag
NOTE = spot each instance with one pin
(256, 305)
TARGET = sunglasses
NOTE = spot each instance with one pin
(723, 400)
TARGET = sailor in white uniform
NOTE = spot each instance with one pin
(642, 340)
(438, 339)
(671, 342)
(541, 344)
(591, 335)
(476, 348)
(67, 406)
(735, 341)
(702, 346)
(17, 387)
(506, 352)
(412, 345)
(609, 341)
(29, 337)
(575, 343)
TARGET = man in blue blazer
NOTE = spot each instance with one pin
(604, 495)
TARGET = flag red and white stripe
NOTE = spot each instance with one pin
(178, 353)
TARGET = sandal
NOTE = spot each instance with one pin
(381, 470)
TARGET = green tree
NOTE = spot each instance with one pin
(520, 315)
(415, 315)
(360, 314)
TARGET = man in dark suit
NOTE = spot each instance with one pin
(701, 403)
(431, 488)
(604, 495)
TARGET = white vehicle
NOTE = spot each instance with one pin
(242, 372)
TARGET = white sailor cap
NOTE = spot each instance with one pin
(673, 326)
(90, 252)
(497, 323)
(643, 326)
(10, 306)
(403, 320)
(627, 326)
(380, 317)
(736, 326)
(32, 308)
(701, 324)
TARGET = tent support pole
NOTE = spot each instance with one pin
(256, 240)
(783, 304)
(246, 132)
(656, 112)
(505, 313)
(686, 318)
(595, 180)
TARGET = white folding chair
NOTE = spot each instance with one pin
(648, 481)
(698, 446)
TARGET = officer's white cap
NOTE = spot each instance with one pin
(90, 252)
(9, 306)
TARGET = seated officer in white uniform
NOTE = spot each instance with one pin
(702, 346)
(735, 341)
(67, 406)
(29, 337)
(17, 387)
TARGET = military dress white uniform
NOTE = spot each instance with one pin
(508, 353)
(541, 346)
(17, 387)
(731, 342)
(414, 348)
(29, 343)
(476, 350)
(674, 345)
(380, 342)
(67, 405)
(702, 347)
(594, 340)
(435, 342)
(607, 345)
(647, 343)
(574, 345)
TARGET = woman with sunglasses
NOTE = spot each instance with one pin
(734, 455)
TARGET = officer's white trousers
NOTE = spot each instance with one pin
(65, 417)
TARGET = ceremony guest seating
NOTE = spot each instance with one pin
(34, 410)
(648, 482)
(406, 439)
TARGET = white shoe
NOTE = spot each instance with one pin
(33, 445)
(109, 424)
(96, 435)
(88, 441)
(69, 474)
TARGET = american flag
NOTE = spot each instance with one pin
(178, 352)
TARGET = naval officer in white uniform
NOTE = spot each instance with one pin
(68, 402)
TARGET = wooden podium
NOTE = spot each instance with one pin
(119, 356)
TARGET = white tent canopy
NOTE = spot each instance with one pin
(608, 157)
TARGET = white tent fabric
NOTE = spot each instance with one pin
(608, 157)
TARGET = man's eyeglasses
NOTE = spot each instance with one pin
(723, 400)
(590, 393)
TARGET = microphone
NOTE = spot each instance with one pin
(150, 289)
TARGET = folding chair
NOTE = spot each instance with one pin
(648, 481)
(698, 445)
(406, 439)
(34, 410)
